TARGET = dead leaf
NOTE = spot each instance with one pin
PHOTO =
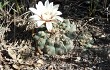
(12, 53)
(50, 67)
(40, 61)
(16, 66)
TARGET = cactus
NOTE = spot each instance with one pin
(61, 40)
(49, 50)
(58, 42)
(86, 40)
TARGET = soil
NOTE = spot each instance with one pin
(93, 17)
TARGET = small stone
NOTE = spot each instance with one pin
(50, 67)
(78, 59)
(40, 62)
(16, 66)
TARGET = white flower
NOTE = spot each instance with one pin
(47, 13)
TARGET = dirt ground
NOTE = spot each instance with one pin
(91, 16)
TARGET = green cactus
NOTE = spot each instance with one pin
(41, 42)
(68, 44)
(49, 50)
(60, 42)
(35, 37)
(60, 50)
(86, 39)
(50, 41)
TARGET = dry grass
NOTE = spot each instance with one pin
(16, 44)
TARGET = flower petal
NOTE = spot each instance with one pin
(33, 10)
(35, 17)
(49, 26)
(39, 23)
(58, 13)
(59, 18)
(55, 7)
(39, 5)
(50, 7)
(40, 8)
(46, 3)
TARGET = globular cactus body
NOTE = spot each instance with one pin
(60, 41)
